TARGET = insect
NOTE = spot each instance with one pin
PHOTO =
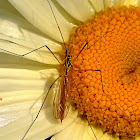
(61, 100)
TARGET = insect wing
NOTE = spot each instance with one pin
(67, 96)
(61, 99)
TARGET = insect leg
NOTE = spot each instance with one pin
(109, 97)
(40, 108)
(91, 45)
(32, 52)
(81, 50)
(92, 130)
(22, 54)
(105, 92)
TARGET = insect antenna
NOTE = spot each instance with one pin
(92, 130)
(52, 54)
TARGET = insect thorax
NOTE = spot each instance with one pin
(67, 63)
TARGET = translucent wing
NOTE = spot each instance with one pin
(61, 99)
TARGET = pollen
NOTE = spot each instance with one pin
(105, 72)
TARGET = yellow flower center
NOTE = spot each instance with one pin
(109, 97)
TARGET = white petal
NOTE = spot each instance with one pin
(19, 86)
(15, 62)
(20, 37)
(131, 2)
(81, 10)
(4, 4)
(28, 35)
(98, 5)
(9, 28)
(16, 74)
(80, 130)
(40, 15)
(112, 3)
(44, 127)
(121, 2)
(138, 2)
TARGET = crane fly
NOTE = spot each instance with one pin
(61, 101)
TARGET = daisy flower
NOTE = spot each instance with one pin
(26, 25)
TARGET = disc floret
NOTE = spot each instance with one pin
(109, 97)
